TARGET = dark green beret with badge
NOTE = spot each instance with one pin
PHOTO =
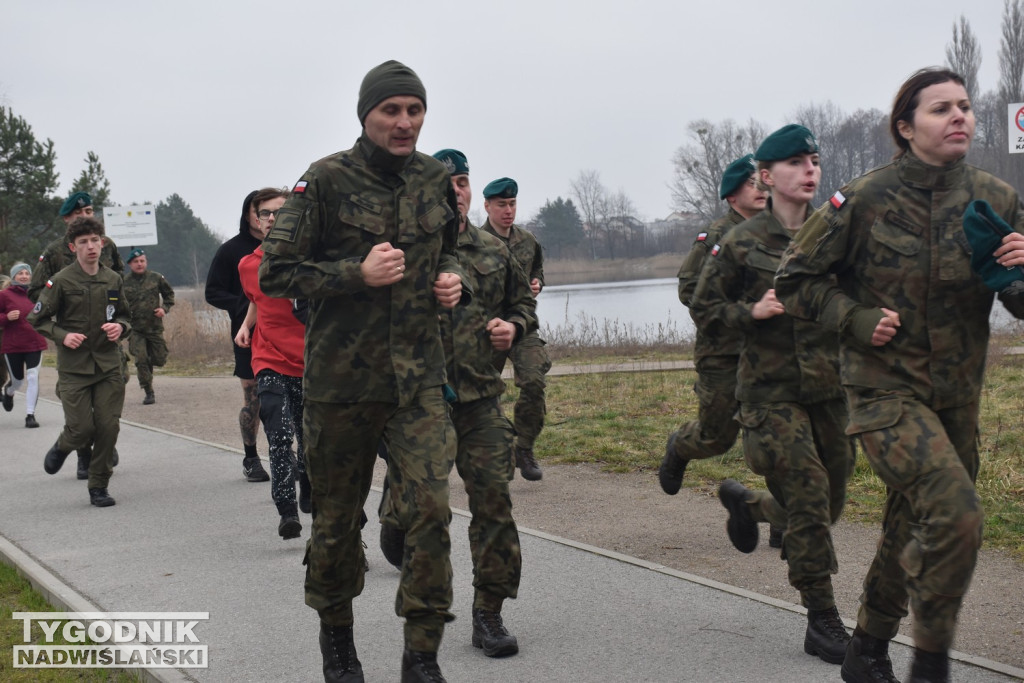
(504, 188)
(985, 231)
(134, 254)
(454, 160)
(736, 174)
(78, 200)
(787, 142)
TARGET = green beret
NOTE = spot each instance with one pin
(77, 200)
(736, 174)
(505, 188)
(454, 160)
(389, 79)
(985, 231)
(787, 142)
(135, 253)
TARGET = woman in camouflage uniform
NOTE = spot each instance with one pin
(886, 263)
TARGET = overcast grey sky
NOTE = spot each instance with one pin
(213, 99)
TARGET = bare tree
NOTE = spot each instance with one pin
(963, 55)
(699, 165)
(591, 197)
(1011, 52)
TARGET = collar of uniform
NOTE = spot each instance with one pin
(916, 173)
(379, 158)
(469, 236)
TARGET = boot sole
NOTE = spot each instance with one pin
(290, 530)
(670, 484)
(810, 649)
(503, 651)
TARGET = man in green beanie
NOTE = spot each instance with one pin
(368, 236)
(58, 255)
(717, 347)
(530, 362)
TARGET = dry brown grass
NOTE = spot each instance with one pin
(198, 336)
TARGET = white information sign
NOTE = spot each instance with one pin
(130, 226)
(1016, 137)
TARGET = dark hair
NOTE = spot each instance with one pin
(266, 194)
(908, 97)
(243, 222)
(83, 225)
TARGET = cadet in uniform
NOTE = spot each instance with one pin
(150, 297)
(716, 349)
(530, 362)
(886, 263)
(84, 312)
(792, 408)
(57, 256)
(502, 310)
(368, 236)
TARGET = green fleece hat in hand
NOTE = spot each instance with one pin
(985, 231)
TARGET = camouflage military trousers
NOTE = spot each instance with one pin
(931, 530)
(803, 452)
(530, 363)
(341, 449)
(281, 415)
(715, 429)
(92, 415)
(150, 351)
(486, 463)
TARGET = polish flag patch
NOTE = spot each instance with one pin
(838, 199)
(702, 236)
(715, 249)
(300, 187)
(49, 284)
(41, 257)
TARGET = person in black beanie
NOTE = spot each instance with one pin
(224, 291)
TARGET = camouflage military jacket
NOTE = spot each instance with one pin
(74, 301)
(146, 293)
(713, 340)
(366, 343)
(524, 247)
(500, 290)
(782, 358)
(893, 238)
(57, 256)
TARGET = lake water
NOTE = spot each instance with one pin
(641, 311)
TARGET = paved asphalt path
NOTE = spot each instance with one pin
(189, 534)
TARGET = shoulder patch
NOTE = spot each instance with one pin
(300, 187)
(837, 199)
(715, 249)
(49, 284)
(38, 307)
(702, 236)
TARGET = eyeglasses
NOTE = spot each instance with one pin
(267, 213)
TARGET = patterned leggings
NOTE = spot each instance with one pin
(281, 414)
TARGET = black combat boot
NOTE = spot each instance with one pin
(305, 494)
(341, 665)
(290, 526)
(527, 464)
(392, 544)
(54, 459)
(489, 633)
(867, 660)
(826, 637)
(150, 398)
(741, 525)
(774, 536)
(84, 460)
(421, 667)
(929, 667)
(100, 498)
(670, 474)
